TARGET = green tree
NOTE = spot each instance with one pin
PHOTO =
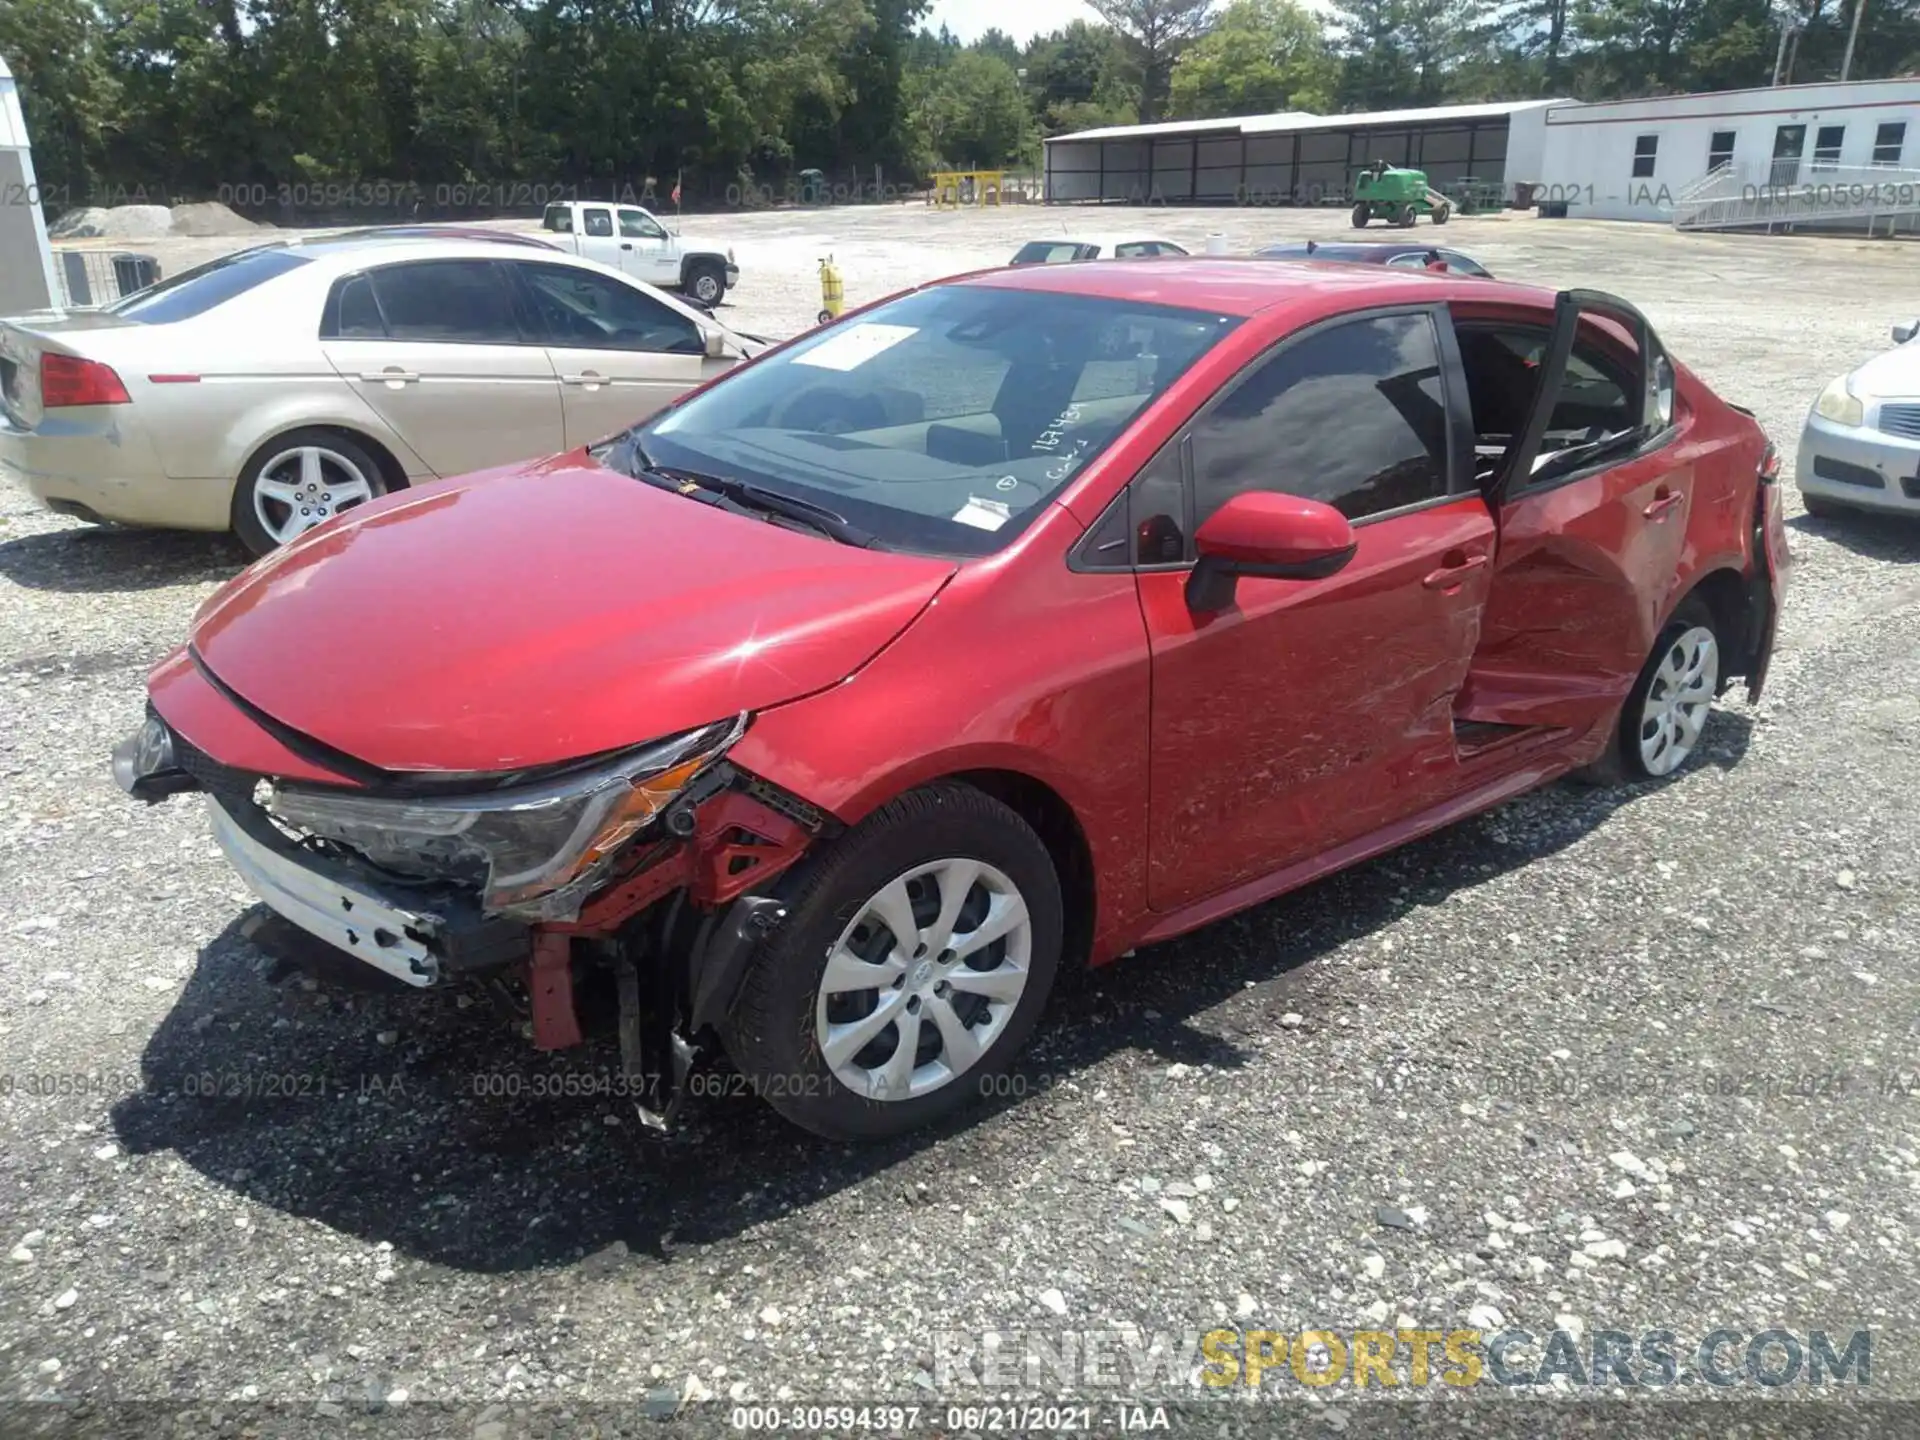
(1263, 56)
(970, 112)
(1154, 32)
(1075, 79)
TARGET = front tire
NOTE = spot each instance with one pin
(706, 282)
(1667, 709)
(1442, 213)
(916, 958)
(1362, 213)
(1822, 508)
(300, 480)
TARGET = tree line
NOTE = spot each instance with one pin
(506, 100)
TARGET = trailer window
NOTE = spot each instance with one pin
(1645, 149)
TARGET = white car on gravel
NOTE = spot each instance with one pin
(1860, 448)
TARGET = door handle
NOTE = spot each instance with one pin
(1663, 501)
(1450, 577)
(392, 375)
(592, 379)
(626, 244)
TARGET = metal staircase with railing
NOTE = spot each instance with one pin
(1783, 193)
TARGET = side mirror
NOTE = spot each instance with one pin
(1903, 333)
(1272, 536)
(716, 344)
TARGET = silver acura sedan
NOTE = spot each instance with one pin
(272, 388)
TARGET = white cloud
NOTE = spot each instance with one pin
(1022, 19)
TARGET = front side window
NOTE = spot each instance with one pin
(1645, 150)
(1353, 415)
(944, 420)
(638, 225)
(450, 302)
(590, 311)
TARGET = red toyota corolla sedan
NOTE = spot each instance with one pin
(1011, 623)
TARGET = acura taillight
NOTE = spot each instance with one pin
(68, 380)
(1770, 466)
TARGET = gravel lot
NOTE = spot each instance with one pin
(1430, 1091)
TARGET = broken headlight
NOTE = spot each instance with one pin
(534, 851)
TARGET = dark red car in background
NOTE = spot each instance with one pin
(1014, 622)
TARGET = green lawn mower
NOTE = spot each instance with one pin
(1397, 196)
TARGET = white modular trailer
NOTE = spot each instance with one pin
(1291, 158)
(1634, 159)
(26, 260)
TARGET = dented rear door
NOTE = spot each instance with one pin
(1591, 526)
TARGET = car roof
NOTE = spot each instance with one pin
(1105, 241)
(345, 250)
(1381, 250)
(1244, 285)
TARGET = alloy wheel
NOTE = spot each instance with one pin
(924, 979)
(299, 488)
(1675, 710)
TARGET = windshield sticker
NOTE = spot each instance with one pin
(852, 348)
(983, 514)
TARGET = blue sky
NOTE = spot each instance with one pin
(1022, 19)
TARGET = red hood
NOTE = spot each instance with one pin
(544, 612)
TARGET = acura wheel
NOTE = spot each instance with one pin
(916, 957)
(300, 481)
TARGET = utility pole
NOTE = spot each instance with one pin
(1780, 52)
(1853, 34)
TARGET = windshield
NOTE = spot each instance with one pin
(1052, 252)
(196, 291)
(944, 420)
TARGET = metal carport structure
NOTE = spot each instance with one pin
(1290, 158)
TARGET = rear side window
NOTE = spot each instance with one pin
(559, 219)
(449, 302)
(1051, 252)
(1353, 415)
(599, 223)
(196, 291)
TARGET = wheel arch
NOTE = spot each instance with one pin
(1726, 593)
(391, 470)
(1059, 829)
(700, 259)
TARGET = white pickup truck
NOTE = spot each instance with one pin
(632, 240)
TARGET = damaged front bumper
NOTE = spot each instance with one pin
(413, 940)
(674, 922)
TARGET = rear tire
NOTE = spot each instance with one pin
(299, 480)
(1666, 712)
(706, 282)
(1362, 213)
(1442, 213)
(1404, 217)
(946, 863)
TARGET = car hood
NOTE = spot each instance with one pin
(540, 613)
(1894, 373)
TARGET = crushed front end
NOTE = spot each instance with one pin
(649, 868)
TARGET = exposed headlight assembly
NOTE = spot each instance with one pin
(535, 851)
(1839, 404)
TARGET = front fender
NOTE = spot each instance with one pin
(1024, 668)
